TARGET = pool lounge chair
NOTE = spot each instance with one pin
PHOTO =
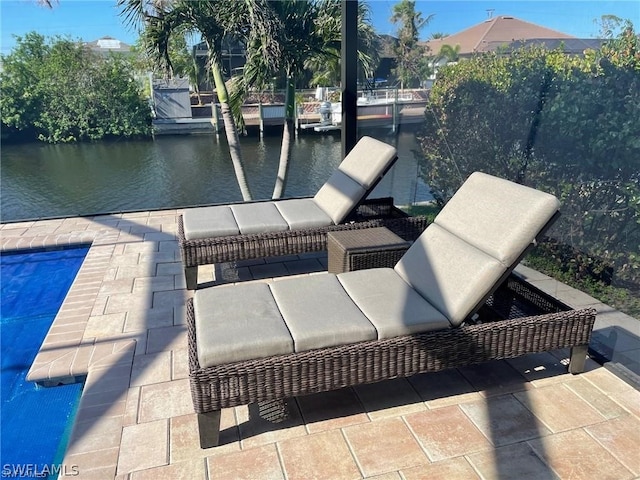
(450, 301)
(226, 233)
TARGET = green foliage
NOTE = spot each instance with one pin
(577, 270)
(59, 91)
(181, 62)
(564, 124)
(21, 99)
(429, 210)
(413, 64)
(323, 65)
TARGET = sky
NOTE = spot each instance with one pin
(89, 20)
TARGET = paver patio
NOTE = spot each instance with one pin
(122, 327)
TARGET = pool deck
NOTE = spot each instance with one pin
(122, 327)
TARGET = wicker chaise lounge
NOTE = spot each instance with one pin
(450, 301)
(226, 233)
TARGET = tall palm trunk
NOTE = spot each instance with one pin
(287, 139)
(230, 130)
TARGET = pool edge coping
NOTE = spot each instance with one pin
(66, 355)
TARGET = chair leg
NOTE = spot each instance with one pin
(209, 428)
(578, 358)
(191, 276)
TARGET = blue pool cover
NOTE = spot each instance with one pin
(35, 421)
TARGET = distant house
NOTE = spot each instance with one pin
(232, 60)
(387, 57)
(571, 46)
(492, 34)
(507, 34)
(107, 45)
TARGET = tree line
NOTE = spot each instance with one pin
(59, 91)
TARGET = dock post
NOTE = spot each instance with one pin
(214, 117)
(260, 115)
(394, 115)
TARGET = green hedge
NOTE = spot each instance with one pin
(60, 91)
(563, 124)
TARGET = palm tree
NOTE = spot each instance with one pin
(309, 35)
(412, 60)
(298, 41)
(451, 54)
(326, 67)
(161, 20)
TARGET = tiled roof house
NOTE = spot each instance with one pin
(508, 33)
(493, 33)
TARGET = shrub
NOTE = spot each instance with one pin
(563, 124)
(62, 92)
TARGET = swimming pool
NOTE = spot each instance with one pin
(35, 421)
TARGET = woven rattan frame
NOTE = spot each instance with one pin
(358, 250)
(371, 213)
(517, 320)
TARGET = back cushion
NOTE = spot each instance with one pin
(368, 161)
(497, 216)
(450, 274)
(339, 195)
(476, 239)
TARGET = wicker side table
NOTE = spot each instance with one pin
(350, 250)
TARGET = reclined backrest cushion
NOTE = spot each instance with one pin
(339, 195)
(473, 242)
(368, 161)
(449, 273)
(496, 215)
(356, 175)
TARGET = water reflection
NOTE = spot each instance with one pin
(40, 180)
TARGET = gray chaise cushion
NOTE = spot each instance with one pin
(449, 273)
(497, 216)
(476, 238)
(238, 322)
(390, 303)
(339, 195)
(207, 222)
(368, 161)
(345, 189)
(319, 313)
(258, 218)
(302, 213)
(443, 277)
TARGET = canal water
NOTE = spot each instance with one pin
(41, 180)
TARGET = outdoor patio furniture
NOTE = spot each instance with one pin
(349, 250)
(226, 233)
(450, 301)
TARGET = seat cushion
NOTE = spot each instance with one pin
(319, 313)
(450, 274)
(205, 222)
(238, 322)
(302, 213)
(258, 217)
(339, 196)
(368, 161)
(390, 303)
(498, 216)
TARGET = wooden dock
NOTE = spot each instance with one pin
(208, 119)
